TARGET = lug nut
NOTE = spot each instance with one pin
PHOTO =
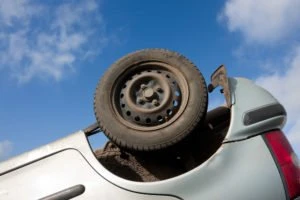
(155, 102)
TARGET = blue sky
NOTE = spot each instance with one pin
(52, 54)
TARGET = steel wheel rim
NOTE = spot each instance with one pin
(149, 96)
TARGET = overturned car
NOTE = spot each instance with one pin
(163, 143)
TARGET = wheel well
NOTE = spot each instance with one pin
(194, 150)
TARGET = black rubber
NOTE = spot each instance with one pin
(129, 138)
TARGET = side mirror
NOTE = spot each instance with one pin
(219, 78)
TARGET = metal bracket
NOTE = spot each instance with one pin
(219, 78)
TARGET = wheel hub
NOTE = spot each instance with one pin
(148, 94)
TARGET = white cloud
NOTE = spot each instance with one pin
(48, 41)
(285, 87)
(13, 10)
(263, 22)
(5, 149)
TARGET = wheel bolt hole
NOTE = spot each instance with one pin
(160, 118)
(159, 90)
(159, 72)
(128, 113)
(140, 101)
(137, 118)
(167, 76)
(148, 120)
(169, 112)
(175, 103)
(122, 95)
(124, 86)
(123, 105)
(177, 93)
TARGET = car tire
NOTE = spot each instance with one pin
(150, 99)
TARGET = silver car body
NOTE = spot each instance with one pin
(242, 168)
